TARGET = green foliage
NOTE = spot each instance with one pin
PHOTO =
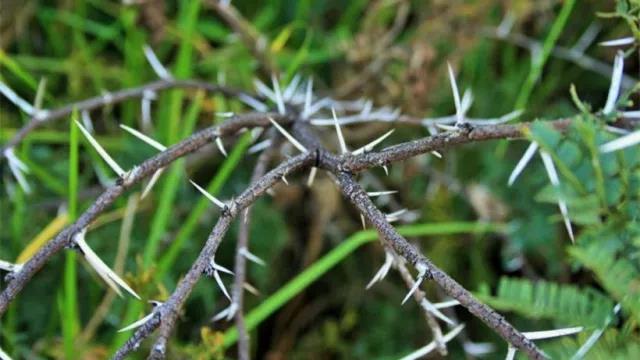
(352, 49)
(566, 305)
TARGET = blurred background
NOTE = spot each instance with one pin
(393, 52)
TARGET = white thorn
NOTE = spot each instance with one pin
(17, 100)
(386, 169)
(428, 306)
(278, 95)
(618, 42)
(478, 349)
(308, 97)
(218, 267)
(86, 121)
(447, 127)
(312, 176)
(216, 276)
(264, 90)
(555, 181)
(631, 114)
(212, 198)
(226, 114)
(227, 313)
(531, 150)
(290, 90)
(422, 271)
(616, 79)
(372, 144)
(221, 146)
(289, 137)
(259, 146)
(505, 25)
(446, 304)
(253, 103)
(538, 335)
(395, 216)
(467, 101)
(250, 288)
(284, 180)
(317, 106)
(151, 183)
(436, 154)
(18, 168)
(103, 153)
(144, 138)
(621, 142)
(138, 323)
(363, 221)
(343, 144)
(10, 267)
(587, 345)
(456, 97)
(381, 193)
(145, 108)
(511, 353)
(616, 130)
(157, 66)
(252, 257)
(420, 353)
(4, 355)
(108, 275)
(383, 271)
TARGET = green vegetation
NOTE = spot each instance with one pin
(507, 244)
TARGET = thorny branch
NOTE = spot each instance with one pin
(102, 203)
(42, 117)
(315, 155)
(167, 313)
(341, 166)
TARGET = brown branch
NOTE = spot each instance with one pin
(148, 167)
(167, 313)
(240, 266)
(438, 142)
(46, 116)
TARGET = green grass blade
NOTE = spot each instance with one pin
(71, 322)
(537, 63)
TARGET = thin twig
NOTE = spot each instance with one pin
(47, 116)
(240, 259)
(420, 296)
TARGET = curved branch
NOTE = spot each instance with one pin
(46, 116)
(148, 167)
(168, 312)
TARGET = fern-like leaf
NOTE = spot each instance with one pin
(567, 304)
